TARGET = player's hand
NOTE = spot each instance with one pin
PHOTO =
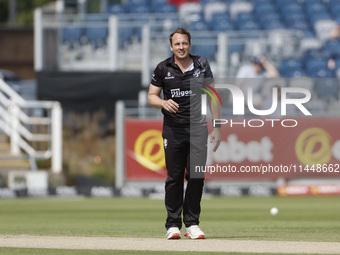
(215, 137)
(170, 106)
(263, 60)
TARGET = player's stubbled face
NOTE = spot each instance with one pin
(180, 46)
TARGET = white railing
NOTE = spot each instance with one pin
(138, 51)
(105, 59)
(34, 127)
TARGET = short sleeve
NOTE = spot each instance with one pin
(156, 77)
(208, 73)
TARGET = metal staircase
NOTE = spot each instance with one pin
(30, 130)
(9, 162)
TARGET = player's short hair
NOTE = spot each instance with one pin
(182, 31)
(257, 61)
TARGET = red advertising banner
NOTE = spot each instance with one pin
(251, 149)
(299, 148)
(144, 153)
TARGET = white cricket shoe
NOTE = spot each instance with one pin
(194, 232)
(173, 233)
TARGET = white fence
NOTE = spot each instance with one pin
(34, 127)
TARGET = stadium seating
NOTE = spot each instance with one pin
(248, 25)
(333, 2)
(115, 9)
(309, 2)
(212, 8)
(269, 17)
(332, 47)
(337, 63)
(300, 25)
(223, 25)
(314, 65)
(96, 29)
(323, 73)
(274, 24)
(96, 35)
(125, 34)
(189, 11)
(219, 17)
(281, 3)
(139, 9)
(244, 16)
(261, 2)
(208, 50)
(198, 26)
(290, 65)
(138, 22)
(315, 8)
(327, 89)
(264, 9)
(309, 43)
(291, 8)
(96, 18)
(314, 18)
(164, 8)
(314, 54)
(323, 28)
(335, 10)
(295, 74)
(158, 3)
(72, 34)
(291, 18)
(239, 7)
(138, 2)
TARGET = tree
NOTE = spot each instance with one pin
(24, 11)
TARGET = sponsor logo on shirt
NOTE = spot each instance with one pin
(153, 77)
(179, 93)
(197, 73)
(169, 76)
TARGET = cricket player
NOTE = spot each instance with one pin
(185, 132)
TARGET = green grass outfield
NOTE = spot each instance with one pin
(244, 218)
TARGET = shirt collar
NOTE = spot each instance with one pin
(194, 58)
